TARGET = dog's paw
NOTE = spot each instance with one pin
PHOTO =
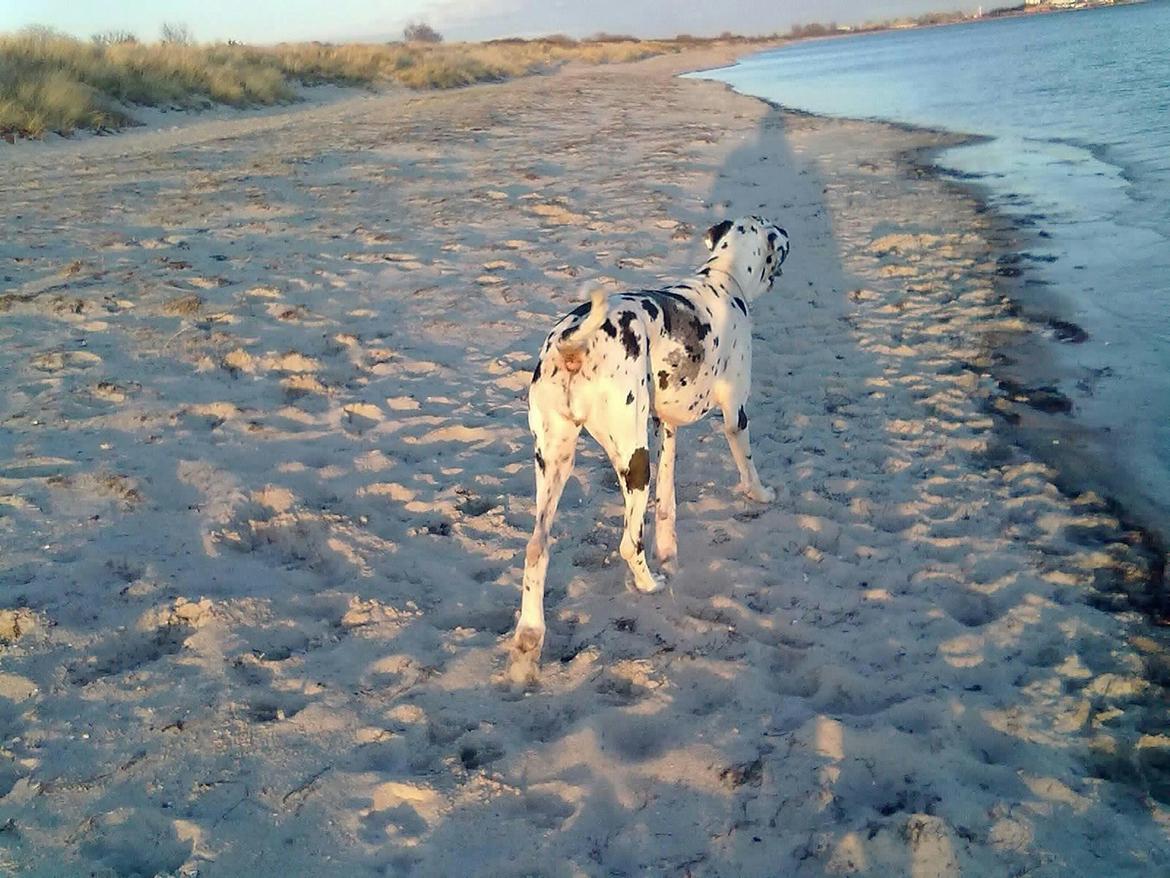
(524, 657)
(763, 494)
(759, 493)
(528, 641)
(647, 584)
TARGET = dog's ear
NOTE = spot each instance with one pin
(715, 233)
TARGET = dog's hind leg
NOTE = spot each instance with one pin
(556, 445)
(665, 540)
(622, 433)
(735, 427)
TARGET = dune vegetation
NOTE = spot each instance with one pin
(51, 82)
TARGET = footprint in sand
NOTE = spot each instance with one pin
(132, 841)
(403, 261)
(276, 708)
(556, 215)
(107, 391)
(209, 416)
(127, 652)
(969, 608)
(361, 416)
(547, 810)
(208, 283)
(63, 361)
(401, 810)
(183, 306)
(932, 850)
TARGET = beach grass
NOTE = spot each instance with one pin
(51, 82)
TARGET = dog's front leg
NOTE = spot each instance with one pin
(735, 427)
(665, 538)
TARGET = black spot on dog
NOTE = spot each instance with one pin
(739, 303)
(629, 337)
(670, 304)
(630, 398)
(638, 472)
(581, 310)
(682, 323)
(609, 329)
(743, 419)
(663, 377)
(678, 299)
(540, 460)
(651, 309)
(536, 372)
(716, 232)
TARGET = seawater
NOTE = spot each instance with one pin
(1074, 112)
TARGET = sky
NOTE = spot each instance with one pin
(271, 21)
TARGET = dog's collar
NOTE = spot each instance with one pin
(730, 277)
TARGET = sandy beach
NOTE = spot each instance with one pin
(266, 483)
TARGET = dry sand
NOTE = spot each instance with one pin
(265, 485)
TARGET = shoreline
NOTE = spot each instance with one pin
(1077, 454)
(265, 484)
(1077, 471)
(1008, 242)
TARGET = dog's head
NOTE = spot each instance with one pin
(751, 249)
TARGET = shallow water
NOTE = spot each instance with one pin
(1076, 111)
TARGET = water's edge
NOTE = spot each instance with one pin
(1029, 365)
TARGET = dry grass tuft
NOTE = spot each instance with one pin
(50, 82)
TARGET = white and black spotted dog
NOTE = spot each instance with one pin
(609, 365)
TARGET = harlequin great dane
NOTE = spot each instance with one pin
(677, 352)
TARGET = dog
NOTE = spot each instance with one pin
(674, 353)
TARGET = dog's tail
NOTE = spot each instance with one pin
(572, 348)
